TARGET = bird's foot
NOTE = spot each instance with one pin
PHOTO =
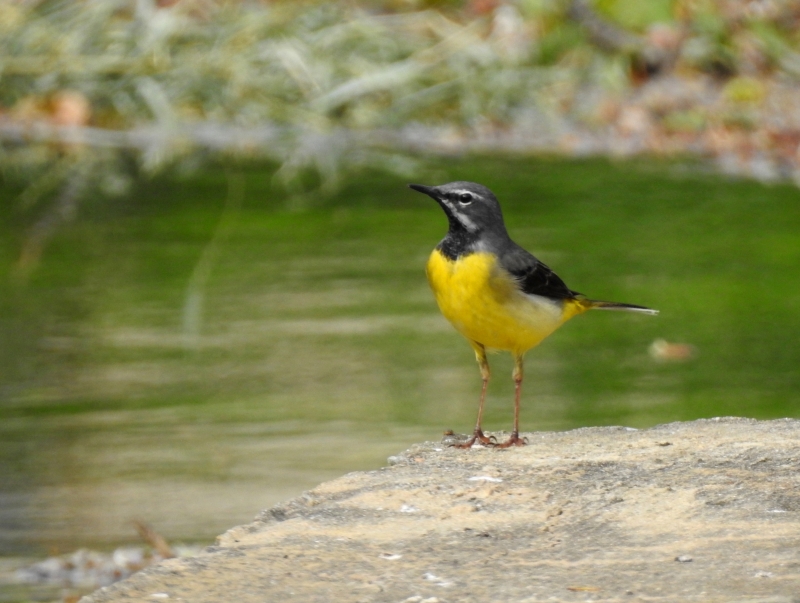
(514, 440)
(478, 436)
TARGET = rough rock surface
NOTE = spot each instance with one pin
(701, 511)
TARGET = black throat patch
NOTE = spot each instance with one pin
(458, 243)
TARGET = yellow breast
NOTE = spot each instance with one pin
(484, 303)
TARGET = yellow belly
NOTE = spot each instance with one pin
(484, 303)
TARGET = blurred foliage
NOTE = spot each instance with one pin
(310, 67)
(94, 92)
(637, 15)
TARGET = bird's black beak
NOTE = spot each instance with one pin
(428, 190)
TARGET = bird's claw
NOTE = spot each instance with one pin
(514, 440)
(477, 436)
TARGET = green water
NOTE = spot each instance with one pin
(205, 348)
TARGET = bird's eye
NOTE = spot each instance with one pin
(465, 198)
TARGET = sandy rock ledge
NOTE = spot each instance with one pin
(701, 511)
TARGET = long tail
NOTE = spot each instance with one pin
(605, 305)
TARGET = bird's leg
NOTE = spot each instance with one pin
(477, 435)
(515, 440)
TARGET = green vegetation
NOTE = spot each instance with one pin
(114, 87)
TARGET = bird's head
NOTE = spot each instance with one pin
(469, 206)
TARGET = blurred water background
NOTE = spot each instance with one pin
(190, 360)
(212, 293)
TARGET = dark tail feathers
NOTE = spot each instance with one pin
(604, 305)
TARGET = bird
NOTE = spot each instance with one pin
(496, 294)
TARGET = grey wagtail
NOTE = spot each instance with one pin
(496, 294)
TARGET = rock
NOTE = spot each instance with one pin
(602, 512)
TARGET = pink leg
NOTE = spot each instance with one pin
(515, 440)
(477, 434)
